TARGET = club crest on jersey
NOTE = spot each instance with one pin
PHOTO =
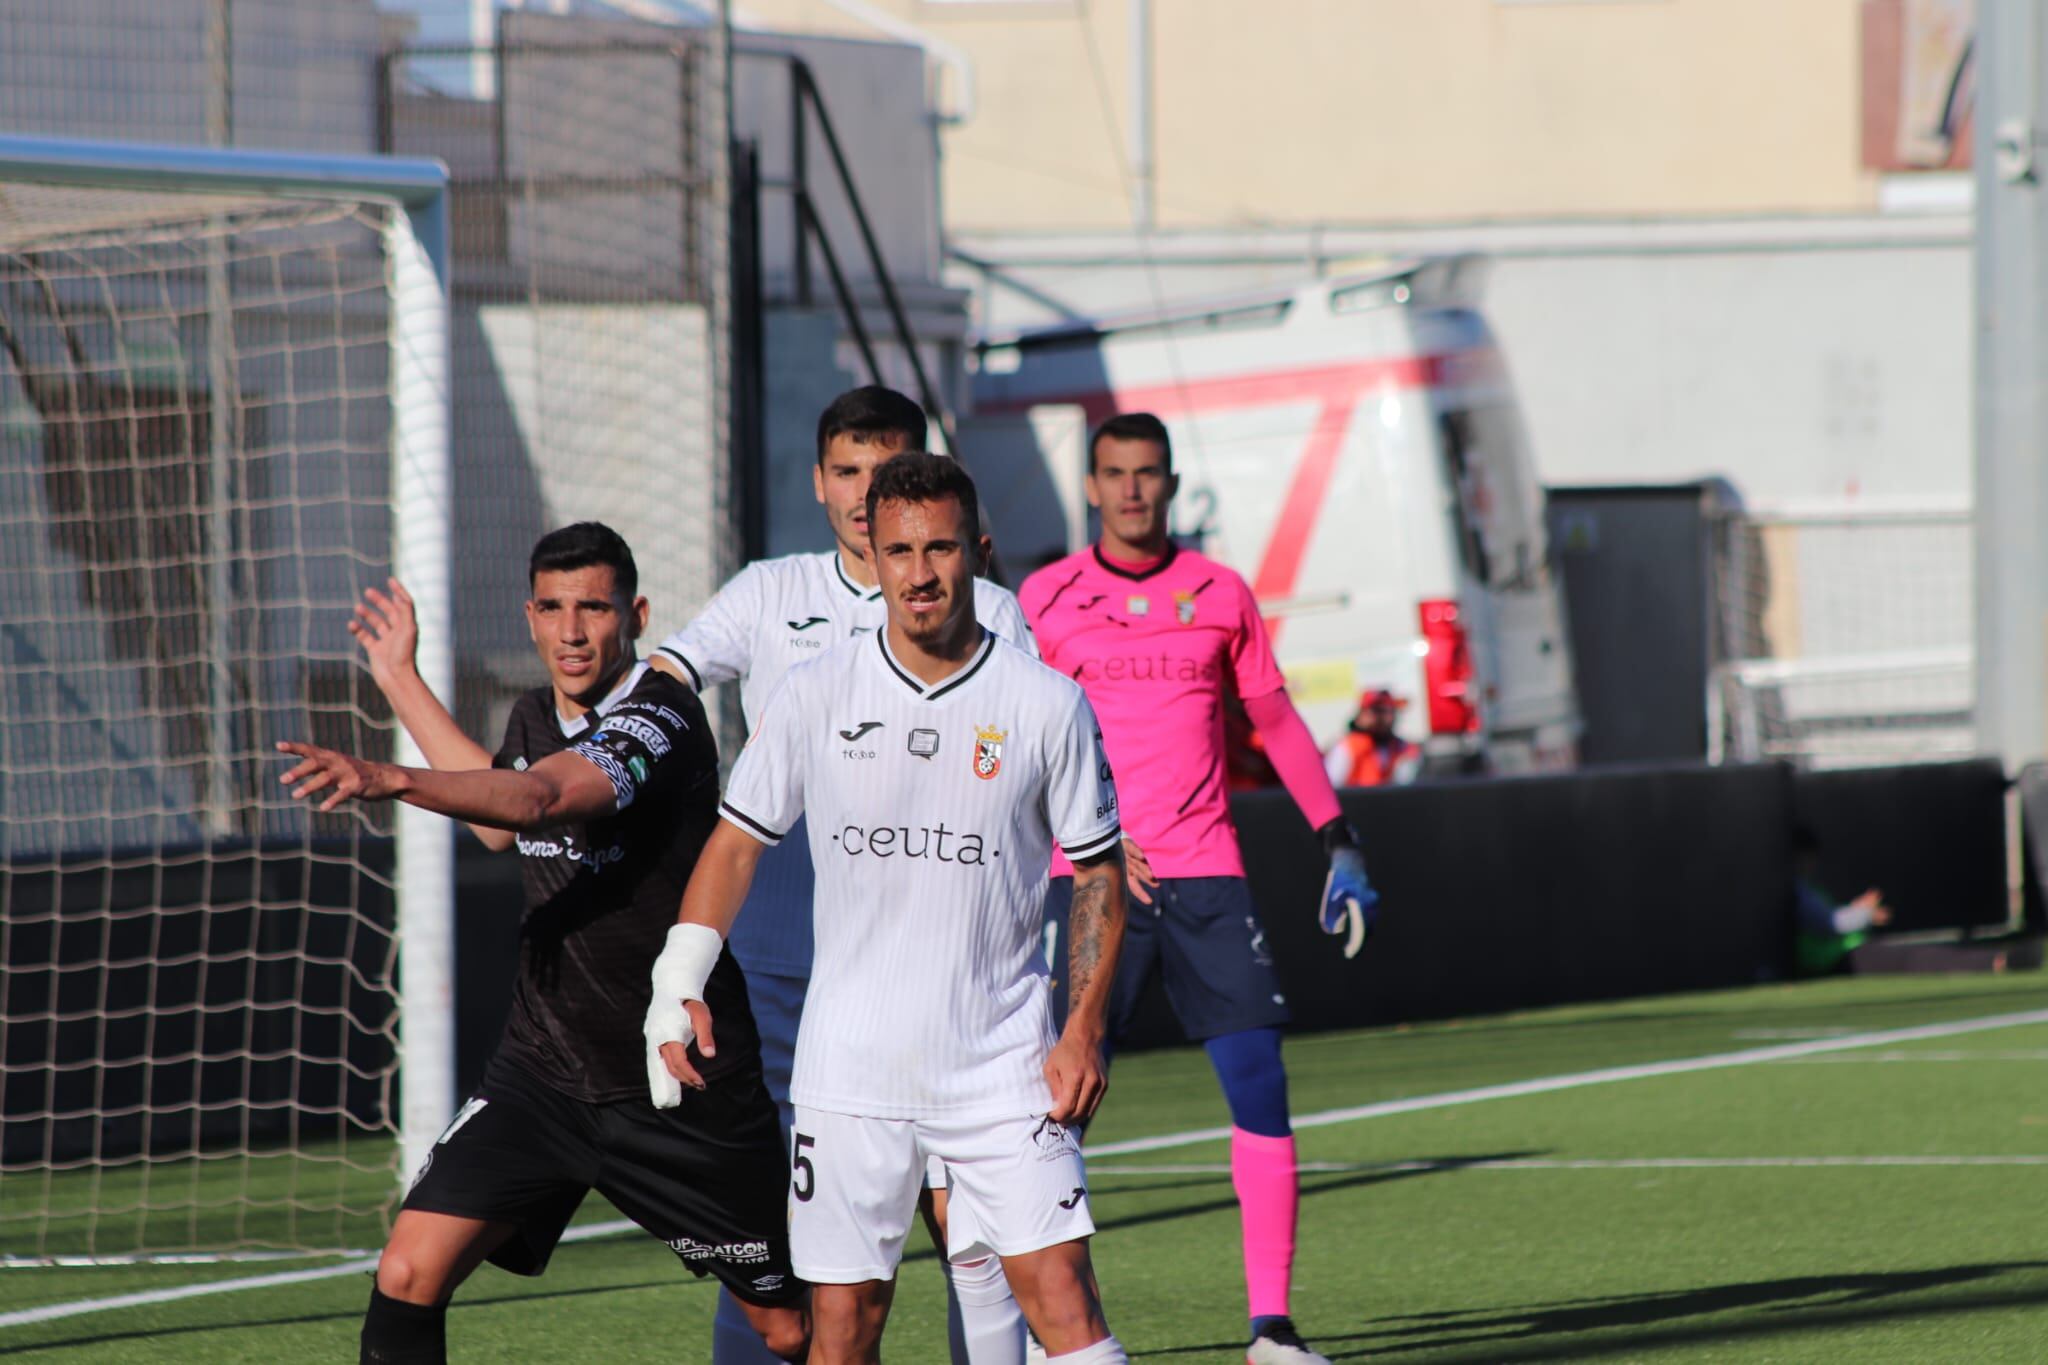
(1184, 608)
(988, 751)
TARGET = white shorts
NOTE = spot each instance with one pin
(1015, 1185)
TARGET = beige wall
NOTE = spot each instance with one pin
(1306, 111)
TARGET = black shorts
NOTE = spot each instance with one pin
(710, 1177)
(1203, 936)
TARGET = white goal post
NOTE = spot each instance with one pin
(1845, 633)
(401, 205)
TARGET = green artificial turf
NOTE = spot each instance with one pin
(1557, 1226)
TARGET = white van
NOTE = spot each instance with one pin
(1353, 449)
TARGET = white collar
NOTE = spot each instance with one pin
(845, 581)
(953, 680)
(572, 728)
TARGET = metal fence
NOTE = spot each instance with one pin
(591, 240)
(1847, 635)
(161, 632)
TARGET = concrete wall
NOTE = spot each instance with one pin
(1801, 373)
(1302, 111)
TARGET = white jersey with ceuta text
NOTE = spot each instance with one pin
(770, 616)
(931, 812)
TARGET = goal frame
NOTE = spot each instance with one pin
(416, 247)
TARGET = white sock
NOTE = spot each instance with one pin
(1108, 1351)
(986, 1326)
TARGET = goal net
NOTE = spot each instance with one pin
(1846, 635)
(199, 408)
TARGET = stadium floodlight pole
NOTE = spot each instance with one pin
(416, 247)
(2011, 495)
(1144, 188)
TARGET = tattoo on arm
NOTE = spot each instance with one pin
(1094, 923)
(1084, 932)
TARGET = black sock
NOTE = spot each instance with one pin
(399, 1333)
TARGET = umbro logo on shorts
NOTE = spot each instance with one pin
(1076, 1197)
(806, 625)
(850, 736)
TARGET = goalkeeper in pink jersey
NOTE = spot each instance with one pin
(1155, 634)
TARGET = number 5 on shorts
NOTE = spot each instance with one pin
(803, 1176)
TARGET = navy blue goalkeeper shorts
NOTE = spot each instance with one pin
(1203, 936)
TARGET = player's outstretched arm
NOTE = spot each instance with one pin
(676, 1013)
(1348, 896)
(560, 789)
(387, 628)
(1075, 1070)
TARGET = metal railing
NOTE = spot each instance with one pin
(1844, 634)
(806, 103)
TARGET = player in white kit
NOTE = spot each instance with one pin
(772, 615)
(936, 767)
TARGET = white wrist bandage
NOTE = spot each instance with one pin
(679, 974)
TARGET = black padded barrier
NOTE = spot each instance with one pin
(1930, 836)
(186, 973)
(2033, 787)
(1508, 893)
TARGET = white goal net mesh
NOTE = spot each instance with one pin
(197, 1030)
(1847, 636)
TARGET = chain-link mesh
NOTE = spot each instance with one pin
(156, 643)
(1846, 636)
(588, 370)
(248, 73)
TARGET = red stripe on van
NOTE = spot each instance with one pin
(1336, 389)
(1320, 384)
(1280, 566)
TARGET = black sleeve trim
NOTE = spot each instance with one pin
(1093, 847)
(740, 817)
(696, 678)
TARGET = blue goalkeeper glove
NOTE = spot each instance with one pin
(1348, 897)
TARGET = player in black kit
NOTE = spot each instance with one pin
(607, 782)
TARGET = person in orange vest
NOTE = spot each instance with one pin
(1370, 754)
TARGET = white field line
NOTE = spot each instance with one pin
(1540, 1086)
(361, 1265)
(13, 1262)
(1957, 1055)
(1645, 1163)
(1546, 1084)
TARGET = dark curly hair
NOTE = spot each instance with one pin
(917, 476)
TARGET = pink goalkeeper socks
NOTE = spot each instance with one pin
(1262, 1171)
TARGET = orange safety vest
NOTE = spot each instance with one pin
(1368, 767)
